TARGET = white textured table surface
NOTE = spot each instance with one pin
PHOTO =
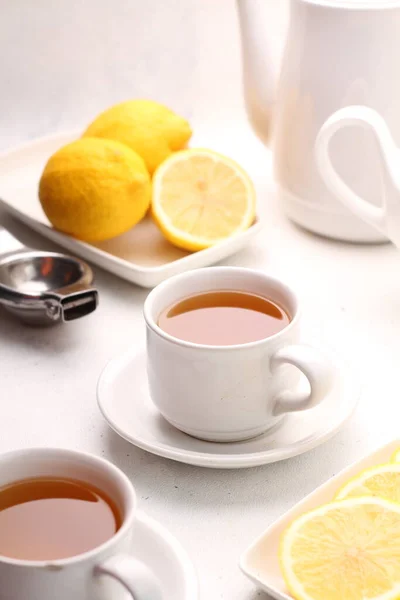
(60, 63)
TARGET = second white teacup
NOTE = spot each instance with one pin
(86, 576)
(233, 392)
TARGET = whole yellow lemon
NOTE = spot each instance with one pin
(149, 128)
(95, 189)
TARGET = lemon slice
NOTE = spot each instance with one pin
(348, 550)
(383, 481)
(200, 198)
(396, 456)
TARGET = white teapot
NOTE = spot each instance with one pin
(337, 53)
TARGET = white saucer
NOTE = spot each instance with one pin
(161, 552)
(125, 403)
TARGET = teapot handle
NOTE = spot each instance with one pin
(369, 119)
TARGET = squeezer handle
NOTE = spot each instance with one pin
(78, 304)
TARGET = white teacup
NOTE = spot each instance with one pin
(79, 577)
(230, 393)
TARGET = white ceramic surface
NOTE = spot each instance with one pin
(231, 393)
(260, 561)
(386, 217)
(141, 255)
(80, 576)
(125, 403)
(155, 547)
(163, 554)
(337, 53)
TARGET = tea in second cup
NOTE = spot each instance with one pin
(218, 342)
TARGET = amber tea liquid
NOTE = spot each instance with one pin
(50, 519)
(223, 318)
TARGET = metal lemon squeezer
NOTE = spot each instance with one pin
(43, 288)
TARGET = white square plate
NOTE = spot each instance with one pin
(141, 255)
(260, 561)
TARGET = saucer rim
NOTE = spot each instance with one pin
(223, 461)
(189, 574)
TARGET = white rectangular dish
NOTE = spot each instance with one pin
(260, 561)
(141, 256)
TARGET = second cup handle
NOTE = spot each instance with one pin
(133, 575)
(317, 370)
(369, 119)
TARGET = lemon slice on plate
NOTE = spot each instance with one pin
(348, 550)
(383, 481)
(396, 456)
(200, 198)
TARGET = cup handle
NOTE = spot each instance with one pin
(133, 575)
(369, 119)
(317, 370)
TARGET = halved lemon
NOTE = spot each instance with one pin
(382, 481)
(396, 456)
(348, 550)
(200, 198)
